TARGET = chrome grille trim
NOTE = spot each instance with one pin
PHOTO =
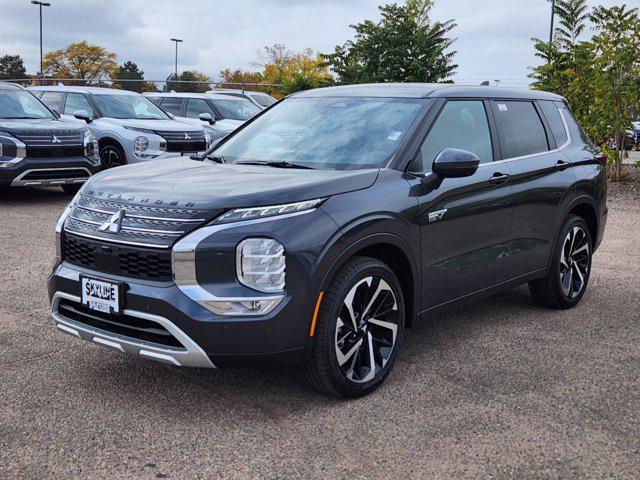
(143, 217)
(178, 136)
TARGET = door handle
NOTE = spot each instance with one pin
(498, 178)
(562, 165)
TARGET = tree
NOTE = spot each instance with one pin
(572, 15)
(404, 46)
(12, 67)
(239, 76)
(81, 61)
(189, 81)
(293, 70)
(130, 71)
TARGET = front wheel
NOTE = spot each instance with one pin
(570, 268)
(111, 155)
(359, 330)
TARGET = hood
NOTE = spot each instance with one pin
(39, 124)
(211, 186)
(227, 124)
(155, 125)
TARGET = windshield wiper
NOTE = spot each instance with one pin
(277, 164)
(216, 158)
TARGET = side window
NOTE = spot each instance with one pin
(196, 106)
(520, 128)
(75, 102)
(461, 124)
(555, 122)
(172, 105)
(53, 100)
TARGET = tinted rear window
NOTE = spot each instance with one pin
(554, 120)
(520, 129)
(172, 105)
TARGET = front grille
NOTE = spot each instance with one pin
(62, 174)
(50, 137)
(120, 324)
(125, 261)
(184, 141)
(141, 225)
(55, 152)
(186, 146)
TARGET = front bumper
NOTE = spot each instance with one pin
(49, 171)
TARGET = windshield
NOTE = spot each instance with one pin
(238, 109)
(21, 104)
(331, 133)
(262, 99)
(128, 106)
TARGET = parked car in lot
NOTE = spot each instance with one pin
(38, 148)
(331, 223)
(218, 114)
(129, 128)
(259, 99)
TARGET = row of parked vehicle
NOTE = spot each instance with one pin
(61, 135)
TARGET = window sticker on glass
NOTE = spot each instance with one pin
(502, 107)
(395, 135)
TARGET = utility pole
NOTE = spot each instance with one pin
(41, 4)
(177, 40)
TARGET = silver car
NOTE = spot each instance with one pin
(260, 99)
(219, 114)
(129, 128)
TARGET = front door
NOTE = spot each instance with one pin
(465, 222)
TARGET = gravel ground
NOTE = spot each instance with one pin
(501, 389)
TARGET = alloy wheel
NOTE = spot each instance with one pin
(366, 329)
(575, 260)
(110, 157)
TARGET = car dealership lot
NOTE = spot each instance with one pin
(504, 388)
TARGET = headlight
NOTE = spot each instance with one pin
(261, 264)
(91, 148)
(138, 129)
(270, 211)
(140, 144)
(12, 150)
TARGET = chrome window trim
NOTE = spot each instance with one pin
(183, 264)
(532, 155)
(192, 355)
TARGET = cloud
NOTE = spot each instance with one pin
(493, 35)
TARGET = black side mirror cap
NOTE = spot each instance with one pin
(455, 163)
(82, 115)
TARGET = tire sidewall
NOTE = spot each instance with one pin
(118, 150)
(570, 223)
(342, 384)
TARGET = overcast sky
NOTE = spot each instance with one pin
(493, 35)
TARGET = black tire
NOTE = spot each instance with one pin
(568, 276)
(71, 189)
(360, 277)
(111, 155)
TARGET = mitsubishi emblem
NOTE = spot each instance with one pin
(186, 136)
(114, 224)
(55, 139)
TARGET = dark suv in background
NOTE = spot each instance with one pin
(37, 148)
(327, 225)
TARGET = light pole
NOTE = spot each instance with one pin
(553, 12)
(177, 40)
(41, 4)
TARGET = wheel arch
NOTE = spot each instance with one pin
(108, 140)
(586, 208)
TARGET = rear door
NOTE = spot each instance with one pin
(541, 175)
(464, 222)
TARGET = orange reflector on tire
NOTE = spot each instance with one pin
(315, 314)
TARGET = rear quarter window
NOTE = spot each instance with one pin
(520, 128)
(552, 114)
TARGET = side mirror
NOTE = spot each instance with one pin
(206, 117)
(171, 116)
(82, 115)
(454, 163)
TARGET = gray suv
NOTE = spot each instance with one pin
(38, 148)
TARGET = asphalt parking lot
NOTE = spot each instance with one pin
(501, 389)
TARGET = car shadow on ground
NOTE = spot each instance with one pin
(28, 195)
(274, 393)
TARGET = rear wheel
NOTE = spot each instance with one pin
(359, 330)
(568, 275)
(111, 155)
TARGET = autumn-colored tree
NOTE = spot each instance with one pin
(238, 77)
(189, 81)
(80, 61)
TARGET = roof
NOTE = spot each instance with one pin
(426, 90)
(10, 86)
(91, 90)
(212, 96)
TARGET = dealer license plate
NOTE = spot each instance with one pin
(101, 295)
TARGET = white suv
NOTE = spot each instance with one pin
(129, 128)
(219, 114)
(260, 99)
